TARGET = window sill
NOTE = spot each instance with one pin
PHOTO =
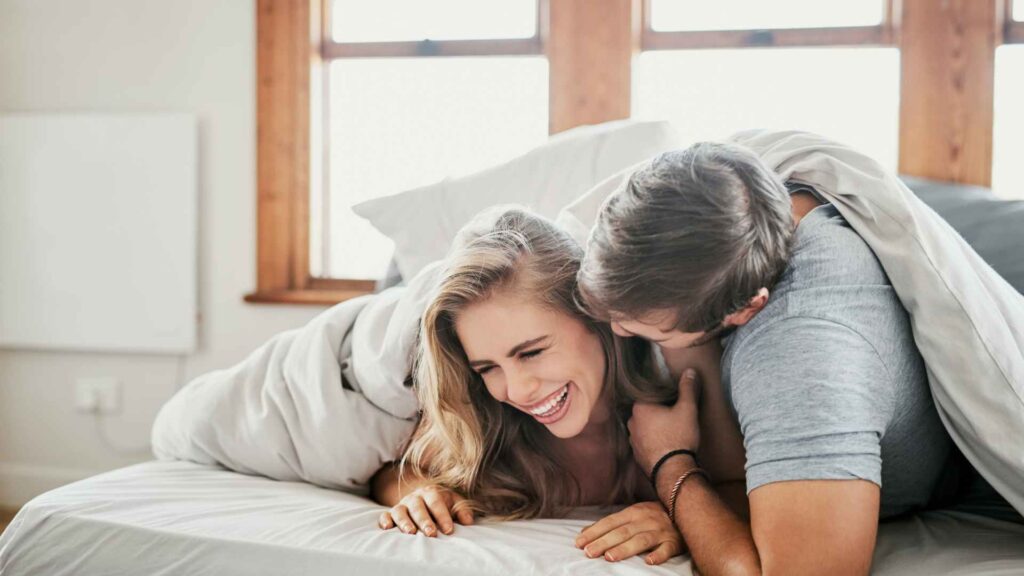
(313, 297)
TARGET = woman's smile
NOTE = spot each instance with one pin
(554, 407)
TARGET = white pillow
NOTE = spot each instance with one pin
(422, 222)
(580, 216)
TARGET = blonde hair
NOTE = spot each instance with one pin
(493, 454)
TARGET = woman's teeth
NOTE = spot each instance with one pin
(551, 406)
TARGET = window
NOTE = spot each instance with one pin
(704, 68)
(669, 15)
(353, 97)
(1008, 116)
(400, 122)
(1008, 136)
(709, 94)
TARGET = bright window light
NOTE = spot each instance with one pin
(1018, 10)
(398, 124)
(674, 15)
(1008, 125)
(848, 94)
(398, 20)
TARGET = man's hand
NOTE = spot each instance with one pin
(655, 430)
(642, 527)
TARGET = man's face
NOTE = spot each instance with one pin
(657, 327)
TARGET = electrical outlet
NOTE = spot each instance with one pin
(98, 395)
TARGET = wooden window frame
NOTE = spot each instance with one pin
(947, 59)
(879, 35)
(1013, 30)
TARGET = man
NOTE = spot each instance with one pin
(819, 362)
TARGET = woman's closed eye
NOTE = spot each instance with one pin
(522, 356)
(531, 353)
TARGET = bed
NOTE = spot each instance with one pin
(175, 517)
(162, 518)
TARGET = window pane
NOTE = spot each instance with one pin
(852, 95)
(758, 14)
(1018, 10)
(396, 20)
(397, 124)
(1008, 125)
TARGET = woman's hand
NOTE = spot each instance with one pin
(642, 527)
(427, 508)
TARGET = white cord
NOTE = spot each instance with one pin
(101, 430)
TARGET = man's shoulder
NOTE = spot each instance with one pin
(827, 251)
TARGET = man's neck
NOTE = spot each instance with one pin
(803, 202)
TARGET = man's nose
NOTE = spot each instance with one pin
(523, 388)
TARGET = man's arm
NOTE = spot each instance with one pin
(800, 527)
(797, 526)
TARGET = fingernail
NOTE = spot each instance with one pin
(691, 373)
(608, 556)
(448, 528)
(588, 552)
(649, 560)
(578, 542)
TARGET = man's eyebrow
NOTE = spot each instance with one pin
(515, 350)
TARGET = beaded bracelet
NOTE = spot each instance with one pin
(663, 459)
(677, 486)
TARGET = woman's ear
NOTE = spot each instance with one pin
(747, 313)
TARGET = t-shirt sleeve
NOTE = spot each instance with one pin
(813, 398)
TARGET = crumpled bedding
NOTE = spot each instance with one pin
(180, 518)
(327, 403)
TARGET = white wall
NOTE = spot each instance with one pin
(137, 55)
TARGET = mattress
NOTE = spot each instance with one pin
(164, 518)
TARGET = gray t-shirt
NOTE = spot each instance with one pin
(826, 380)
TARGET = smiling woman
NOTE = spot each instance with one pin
(509, 366)
(524, 398)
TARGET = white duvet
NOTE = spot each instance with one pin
(327, 403)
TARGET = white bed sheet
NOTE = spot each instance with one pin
(165, 518)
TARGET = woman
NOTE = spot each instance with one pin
(525, 399)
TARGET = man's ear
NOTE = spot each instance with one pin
(744, 315)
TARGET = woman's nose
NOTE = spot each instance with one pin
(523, 388)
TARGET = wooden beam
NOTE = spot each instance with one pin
(855, 36)
(947, 89)
(591, 46)
(282, 110)
(499, 47)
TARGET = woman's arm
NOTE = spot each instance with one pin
(385, 488)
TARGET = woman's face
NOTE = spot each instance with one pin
(542, 362)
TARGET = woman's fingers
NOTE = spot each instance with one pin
(421, 516)
(400, 514)
(438, 505)
(384, 521)
(463, 513)
(663, 552)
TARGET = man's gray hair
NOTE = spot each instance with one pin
(697, 231)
